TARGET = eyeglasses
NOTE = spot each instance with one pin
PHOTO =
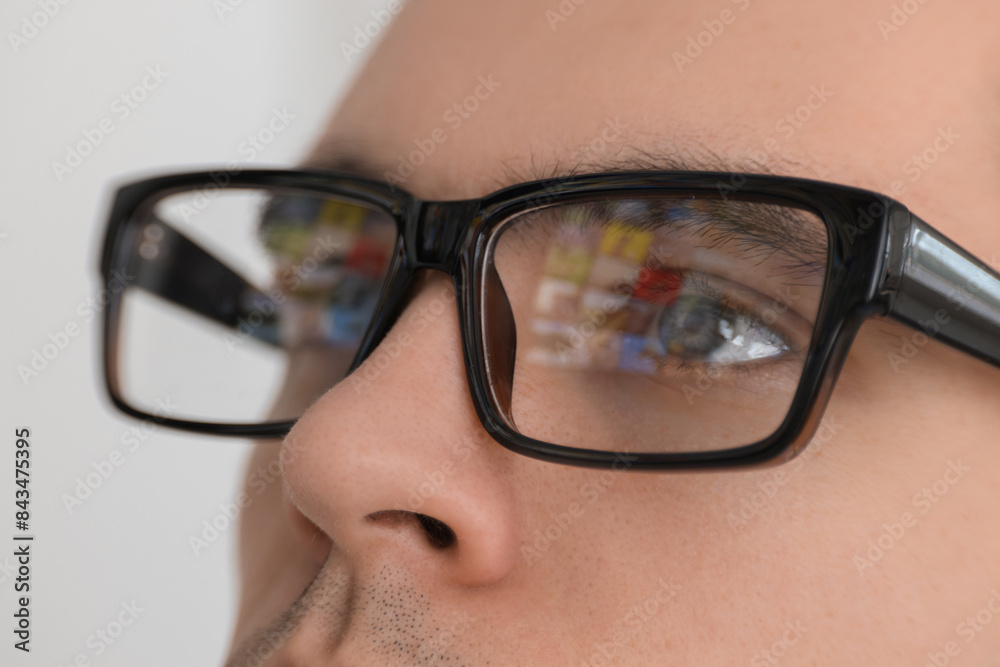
(644, 320)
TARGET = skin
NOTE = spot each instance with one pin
(717, 587)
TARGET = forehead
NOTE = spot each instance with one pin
(462, 95)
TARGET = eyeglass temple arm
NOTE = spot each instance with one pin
(179, 270)
(938, 288)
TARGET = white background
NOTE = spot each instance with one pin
(129, 540)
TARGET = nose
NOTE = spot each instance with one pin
(392, 463)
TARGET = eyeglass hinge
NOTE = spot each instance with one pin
(899, 233)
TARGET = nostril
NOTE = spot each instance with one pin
(439, 534)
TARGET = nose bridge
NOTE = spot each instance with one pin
(434, 241)
(390, 463)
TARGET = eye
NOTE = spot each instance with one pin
(703, 318)
(702, 328)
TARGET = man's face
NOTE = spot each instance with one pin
(422, 541)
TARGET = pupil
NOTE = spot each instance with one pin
(691, 327)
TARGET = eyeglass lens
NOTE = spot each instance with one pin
(246, 306)
(658, 324)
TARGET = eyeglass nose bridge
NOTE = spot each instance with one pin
(433, 236)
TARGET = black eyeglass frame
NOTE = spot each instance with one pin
(882, 260)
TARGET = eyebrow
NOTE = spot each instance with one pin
(350, 157)
(763, 236)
